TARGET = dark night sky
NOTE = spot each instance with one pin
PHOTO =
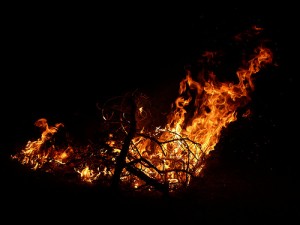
(61, 61)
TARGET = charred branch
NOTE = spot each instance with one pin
(121, 159)
(164, 188)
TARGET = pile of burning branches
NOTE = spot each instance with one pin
(126, 155)
(132, 153)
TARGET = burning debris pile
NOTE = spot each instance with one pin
(136, 156)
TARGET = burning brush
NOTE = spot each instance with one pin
(133, 155)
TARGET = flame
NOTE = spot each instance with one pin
(35, 152)
(189, 137)
(172, 154)
(88, 175)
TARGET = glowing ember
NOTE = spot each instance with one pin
(162, 158)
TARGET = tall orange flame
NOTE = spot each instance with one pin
(214, 105)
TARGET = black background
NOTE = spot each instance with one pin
(60, 60)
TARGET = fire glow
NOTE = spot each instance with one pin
(163, 158)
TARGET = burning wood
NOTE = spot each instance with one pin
(141, 157)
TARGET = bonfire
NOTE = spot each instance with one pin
(132, 153)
